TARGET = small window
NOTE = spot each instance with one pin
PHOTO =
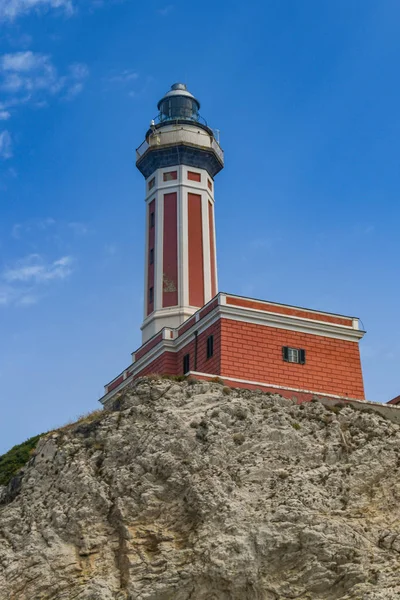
(194, 176)
(186, 363)
(151, 257)
(294, 355)
(152, 219)
(151, 295)
(171, 176)
(210, 346)
(209, 183)
(152, 183)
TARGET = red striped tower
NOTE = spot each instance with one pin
(179, 160)
(192, 329)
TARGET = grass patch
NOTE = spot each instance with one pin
(16, 458)
(177, 378)
(217, 380)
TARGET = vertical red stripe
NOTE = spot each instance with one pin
(150, 267)
(212, 250)
(196, 269)
(170, 251)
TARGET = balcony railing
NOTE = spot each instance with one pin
(142, 149)
(146, 145)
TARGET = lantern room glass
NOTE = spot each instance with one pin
(179, 107)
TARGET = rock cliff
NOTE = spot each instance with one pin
(195, 491)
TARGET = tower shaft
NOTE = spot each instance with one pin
(180, 266)
(179, 160)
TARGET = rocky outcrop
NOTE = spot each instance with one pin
(195, 491)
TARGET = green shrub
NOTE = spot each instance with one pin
(296, 425)
(16, 458)
(178, 378)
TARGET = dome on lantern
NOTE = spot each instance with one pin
(180, 104)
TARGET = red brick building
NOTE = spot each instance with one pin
(249, 343)
(394, 400)
(189, 328)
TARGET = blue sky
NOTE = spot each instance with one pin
(306, 95)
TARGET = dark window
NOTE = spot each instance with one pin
(152, 183)
(186, 363)
(151, 257)
(209, 185)
(151, 295)
(294, 355)
(152, 219)
(210, 346)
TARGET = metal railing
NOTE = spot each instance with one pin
(217, 148)
(142, 149)
(144, 146)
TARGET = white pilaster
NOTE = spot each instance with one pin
(158, 252)
(206, 247)
(184, 245)
(215, 244)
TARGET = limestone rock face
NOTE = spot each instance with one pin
(194, 491)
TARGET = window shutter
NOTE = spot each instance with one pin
(285, 353)
(302, 357)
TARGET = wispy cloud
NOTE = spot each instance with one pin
(5, 145)
(17, 296)
(20, 230)
(34, 269)
(31, 76)
(166, 10)
(78, 228)
(4, 115)
(124, 77)
(110, 249)
(54, 229)
(126, 80)
(22, 283)
(14, 296)
(12, 9)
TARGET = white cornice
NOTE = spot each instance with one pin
(290, 306)
(292, 323)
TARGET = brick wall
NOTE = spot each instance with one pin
(148, 345)
(171, 363)
(186, 325)
(254, 352)
(208, 308)
(204, 365)
(164, 364)
(111, 386)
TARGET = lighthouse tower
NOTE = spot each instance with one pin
(190, 328)
(179, 160)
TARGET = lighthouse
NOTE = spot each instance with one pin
(192, 329)
(179, 160)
